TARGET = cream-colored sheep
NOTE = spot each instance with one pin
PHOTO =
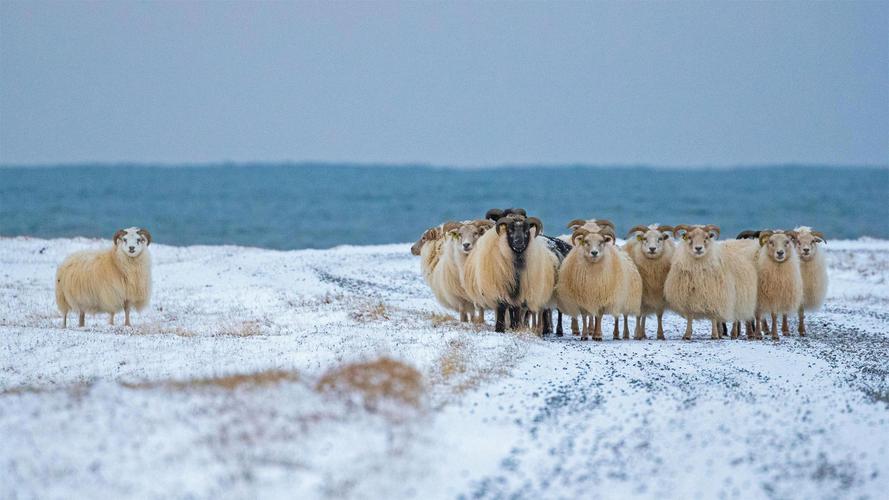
(740, 259)
(107, 281)
(511, 267)
(447, 275)
(595, 279)
(707, 282)
(813, 269)
(778, 273)
(652, 251)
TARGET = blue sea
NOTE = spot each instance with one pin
(292, 206)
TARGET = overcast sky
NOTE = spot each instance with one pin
(449, 84)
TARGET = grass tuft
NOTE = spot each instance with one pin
(375, 382)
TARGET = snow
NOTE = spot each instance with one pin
(111, 411)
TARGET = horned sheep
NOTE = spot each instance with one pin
(813, 269)
(107, 281)
(652, 251)
(780, 288)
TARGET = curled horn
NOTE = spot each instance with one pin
(494, 214)
(576, 223)
(515, 211)
(145, 234)
(118, 235)
(820, 235)
(450, 226)
(764, 237)
(502, 221)
(604, 223)
(641, 229)
(712, 227)
(748, 235)
(680, 227)
(484, 225)
(665, 229)
(608, 231)
(578, 232)
(536, 223)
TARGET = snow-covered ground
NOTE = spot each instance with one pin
(333, 373)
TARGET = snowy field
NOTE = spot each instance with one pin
(333, 373)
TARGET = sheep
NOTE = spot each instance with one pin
(780, 289)
(511, 267)
(446, 276)
(652, 251)
(430, 246)
(711, 280)
(595, 279)
(813, 269)
(107, 281)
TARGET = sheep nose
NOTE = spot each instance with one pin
(780, 253)
(132, 248)
(805, 250)
(467, 246)
(698, 249)
(594, 253)
(652, 249)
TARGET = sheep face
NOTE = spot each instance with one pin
(132, 241)
(780, 246)
(593, 245)
(698, 238)
(428, 235)
(519, 231)
(653, 239)
(807, 242)
(468, 233)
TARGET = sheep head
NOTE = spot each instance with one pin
(779, 244)
(518, 230)
(592, 244)
(698, 238)
(469, 232)
(807, 241)
(131, 241)
(653, 239)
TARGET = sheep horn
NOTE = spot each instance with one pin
(494, 214)
(145, 234)
(118, 235)
(747, 235)
(665, 229)
(535, 222)
(608, 231)
(483, 224)
(450, 226)
(604, 222)
(712, 227)
(820, 235)
(641, 229)
(764, 237)
(576, 223)
(502, 221)
(515, 211)
(681, 227)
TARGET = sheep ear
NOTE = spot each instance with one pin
(609, 239)
(118, 235)
(763, 238)
(146, 235)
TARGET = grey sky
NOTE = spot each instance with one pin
(452, 84)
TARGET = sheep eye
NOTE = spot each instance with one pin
(639, 237)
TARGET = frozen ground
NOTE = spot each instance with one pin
(257, 373)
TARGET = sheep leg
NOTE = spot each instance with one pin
(715, 330)
(640, 328)
(764, 325)
(547, 321)
(597, 331)
(65, 319)
(660, 326)
(784, 328)
(559, 331)
(626, 328)
(586, 327)
(81, 320)
(687, 335)
(515, 317)
(802, 323)
(750, 327)
(575, 328)
(617, 328)
(736, 329)
(500, 318)
(774, 326)
(111, 319)
(723, 329)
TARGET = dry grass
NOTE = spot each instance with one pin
(372, 311)
(376, 382)
(439, 319)
(225, 382)
(453, 361)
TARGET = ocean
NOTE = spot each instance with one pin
(292, 206)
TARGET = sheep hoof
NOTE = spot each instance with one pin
(584, 338)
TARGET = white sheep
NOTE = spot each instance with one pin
(447, 275)
(710, 280)
(813, 269)
(511, 267)
(652, 251)
(596, 279)
(107, 281)
(780, 289)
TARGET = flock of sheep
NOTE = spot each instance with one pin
(523, 275)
